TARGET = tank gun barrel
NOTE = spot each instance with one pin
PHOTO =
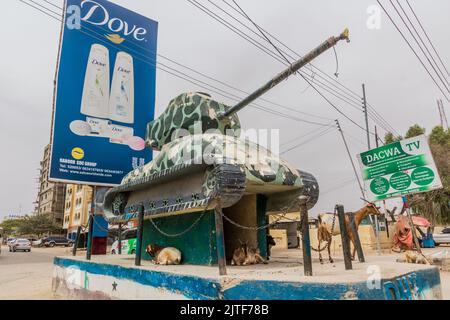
(293, 68)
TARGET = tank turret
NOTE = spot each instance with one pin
(188, 109)
(190, 113)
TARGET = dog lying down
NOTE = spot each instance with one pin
(163, 255)
(245, 255)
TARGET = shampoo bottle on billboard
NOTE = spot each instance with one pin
(95, 98)
(121, 104)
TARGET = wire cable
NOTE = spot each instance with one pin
(376, 116)
(429, 40)
(207, 86)
(412, 49)
(443, 80)
(321, 134)
(287, 60)
(194, 81)
(323, 86)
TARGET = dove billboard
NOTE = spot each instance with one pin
(105, 93)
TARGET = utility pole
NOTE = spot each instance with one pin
(442, 115)
(441, 118)
(351, 159)
(376, 137)
(366, 115)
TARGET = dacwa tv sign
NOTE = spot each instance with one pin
(398, 169)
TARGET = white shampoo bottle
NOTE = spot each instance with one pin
(96, 83)
(121, 102)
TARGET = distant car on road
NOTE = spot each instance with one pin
(442, 237)
(20, 245)
(56, 241)
(10, 240)
(36, 242)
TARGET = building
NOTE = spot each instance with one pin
(51, 196)
(77, 205)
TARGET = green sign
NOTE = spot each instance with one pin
(400, 168)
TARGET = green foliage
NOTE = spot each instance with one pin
(390, 138)
(39, 224)
(36, 224)
(414, 131)
(439, 136)
(435, 205)
(10, 227)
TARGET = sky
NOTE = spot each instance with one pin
(397, 86)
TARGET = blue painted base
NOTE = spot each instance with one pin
(420, 284)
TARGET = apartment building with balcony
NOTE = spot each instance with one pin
(77, 206)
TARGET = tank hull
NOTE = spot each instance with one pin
(182, 179)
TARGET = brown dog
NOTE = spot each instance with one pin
(163, 255)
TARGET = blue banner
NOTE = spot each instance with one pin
(105, 93)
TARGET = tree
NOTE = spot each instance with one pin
(39, 225)
(390, 138)
(435, 205)
(439, 136)
(414, 131)
(11, 227)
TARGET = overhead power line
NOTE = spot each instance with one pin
(412, 48)
(286, 61)
(327, 88)
(426, 35)
(374, 115)
(442, 79)
(321, 74)
(225, 84)
(315, 137)
(181, 75)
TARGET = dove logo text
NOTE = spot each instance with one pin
(97, 15)
(98, 63)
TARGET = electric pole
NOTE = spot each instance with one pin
(376, 137)
(351, 159)
(366, 115)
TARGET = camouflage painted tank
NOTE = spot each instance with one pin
(202, 160)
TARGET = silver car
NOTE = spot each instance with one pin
(20, 245)
(442, 237)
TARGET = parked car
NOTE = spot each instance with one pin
(10, 241)
(20, 245)
(442, 237)
(56, 241)
(129, 238)
(36, 242)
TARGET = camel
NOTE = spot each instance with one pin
(329, 227)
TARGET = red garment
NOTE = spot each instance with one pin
(403, 237)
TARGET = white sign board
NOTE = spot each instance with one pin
(399, 168)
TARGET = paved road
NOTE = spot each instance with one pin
(27, 275)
